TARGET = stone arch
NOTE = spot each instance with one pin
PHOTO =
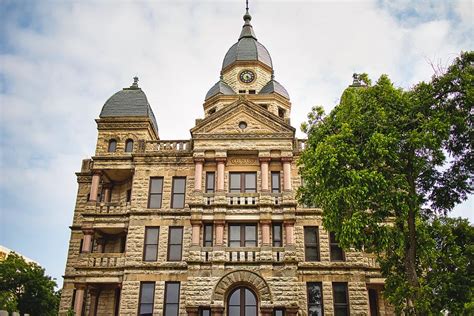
(242, 277)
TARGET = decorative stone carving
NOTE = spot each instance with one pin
(242, 277)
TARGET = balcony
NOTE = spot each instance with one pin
(112, 208)
(241, 255)
(244, 199)
(101, 260)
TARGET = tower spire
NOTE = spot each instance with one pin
(247, 29)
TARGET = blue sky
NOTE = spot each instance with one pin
(61, 60)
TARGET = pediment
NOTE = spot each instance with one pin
(259, 122)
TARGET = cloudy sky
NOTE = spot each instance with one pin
(61, 60)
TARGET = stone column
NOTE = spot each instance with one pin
(292, 311)
(265, 232)
(266, 311)
(87, 241)
(192, 310)
(100, 245)
(107, 192)
(286, 173)
(79, 299)
(94, 301)
(220, 174)
(198, 163)
(217, 310)
(264, 173)
(289, 232)
(219, 232)
(94, 186)
(196, 232)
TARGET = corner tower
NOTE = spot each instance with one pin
(247, 69)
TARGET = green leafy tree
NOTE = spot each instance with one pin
(25, 288)
(385, 162)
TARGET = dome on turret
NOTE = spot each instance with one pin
(247, 48)
(274, 86)
(130, 101)
(219, 88)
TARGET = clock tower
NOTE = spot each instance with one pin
(247, 69)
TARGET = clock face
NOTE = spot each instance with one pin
(247, 76)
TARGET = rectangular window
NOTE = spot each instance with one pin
(243, 182)
(207, 237)
(242, 91)
(129, 196)
(150, 251)
(277, 235)
(315, 299)
(281, 112)
(210, 182)
(278, 312)
(171, 306)
(252, 91)
(275, 182)
(243, 235)
(147, 296)
(175, 243)
(178, 192)
(205, 311)
(311, 243)
(374, 302)
(156, 192)
(341, 299)
(337, 254)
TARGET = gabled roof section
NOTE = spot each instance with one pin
(258, 122)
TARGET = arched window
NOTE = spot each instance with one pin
(112, 145)
(129, 146)
(242, 302)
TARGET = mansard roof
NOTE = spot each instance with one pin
(130, 101)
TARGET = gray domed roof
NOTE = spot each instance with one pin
(219, 88)
(129, 102)
(274, 86)
(247, 48)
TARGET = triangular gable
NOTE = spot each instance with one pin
(259, 121)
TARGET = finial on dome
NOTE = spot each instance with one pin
(247, 16)
(135, 82)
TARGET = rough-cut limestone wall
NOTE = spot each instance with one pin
(66, 298)
(141, 183)
(136, 240)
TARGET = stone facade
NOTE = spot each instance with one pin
(107, 265)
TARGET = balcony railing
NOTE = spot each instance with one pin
(300, 145)
(102, 260)
(242, 255)
(167, 146)
(243, 199)
(112, 208)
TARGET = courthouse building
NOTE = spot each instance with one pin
(208, 225)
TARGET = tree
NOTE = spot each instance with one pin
(385, 162)
(25, 288)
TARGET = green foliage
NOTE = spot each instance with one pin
(384, 163)
(25, 288)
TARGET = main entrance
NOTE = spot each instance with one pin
(242, 302)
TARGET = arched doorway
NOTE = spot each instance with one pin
(242, 302)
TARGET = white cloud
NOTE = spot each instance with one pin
(62, 67)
